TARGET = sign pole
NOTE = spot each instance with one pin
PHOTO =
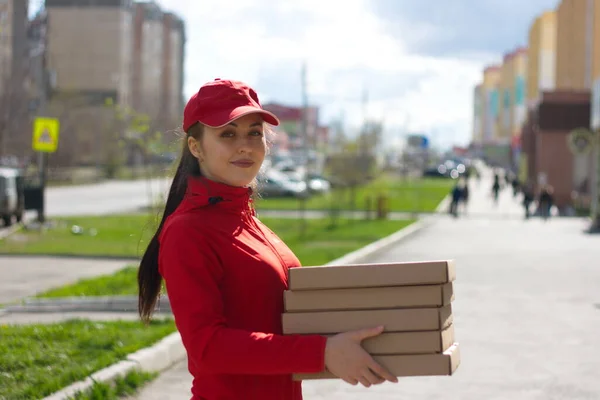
(43, 172)
(44, 141)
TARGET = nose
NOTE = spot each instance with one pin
(245, 145)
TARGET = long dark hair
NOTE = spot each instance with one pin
(149, 279)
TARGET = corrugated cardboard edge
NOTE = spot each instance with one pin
(451, 356)
(451, 270)
(447, 293)
(447, 338)
(446, 316)
(156, 358)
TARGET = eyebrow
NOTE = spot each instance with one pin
(251, 126)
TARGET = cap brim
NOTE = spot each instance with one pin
(220, 120)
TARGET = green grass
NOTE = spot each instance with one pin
(121, 387)
(127, 236)
(121, 283)
(37, 360)
(404, 195)
(118, 236)
(321, 243)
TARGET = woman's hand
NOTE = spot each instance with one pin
(346, 359)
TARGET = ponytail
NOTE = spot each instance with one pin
(149, 279)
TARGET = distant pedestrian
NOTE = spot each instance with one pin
(225, 272)
(457, 194)
(465, 196)
(496, 188)
(516, 185)
(528, 197)
(546, 201)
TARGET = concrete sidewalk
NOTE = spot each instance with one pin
(526, 311)
(22, 276)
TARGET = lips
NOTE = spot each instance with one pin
(243, 163)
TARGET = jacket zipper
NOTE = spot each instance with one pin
(283, 264)
(267, 241)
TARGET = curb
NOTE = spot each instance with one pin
(73, 256)
(125, 304)
(157, 358)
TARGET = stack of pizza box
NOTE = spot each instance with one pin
(412, 300)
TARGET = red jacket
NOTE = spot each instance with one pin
(225, 274)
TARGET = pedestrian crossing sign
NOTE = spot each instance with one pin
(45, 134)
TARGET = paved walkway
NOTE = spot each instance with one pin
(527, 310)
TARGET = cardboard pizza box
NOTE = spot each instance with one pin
(394, 320)
(368, 298)
(440, 364)
(372, 275)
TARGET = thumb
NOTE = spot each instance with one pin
(365, 333)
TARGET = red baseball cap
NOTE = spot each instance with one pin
(221, 101)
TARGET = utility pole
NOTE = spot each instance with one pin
(305, 148)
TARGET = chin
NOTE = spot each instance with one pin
(242, 182)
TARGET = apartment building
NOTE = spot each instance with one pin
(574, 43)
(491, 103)
(131, 53)
(505, 92)
(478, 114)
(13, 70)
(541, 57)
(158, 58)
(90, 48)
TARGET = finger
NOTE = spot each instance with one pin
(364, 381)
(372, 378)
(382, 372)
(367, 332)
(351, 381)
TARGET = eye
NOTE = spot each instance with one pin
(227, 134)
(256, 133)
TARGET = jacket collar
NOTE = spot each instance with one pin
(202, 192)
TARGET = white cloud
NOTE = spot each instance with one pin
(261, 41)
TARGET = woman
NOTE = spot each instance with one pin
(225, 272)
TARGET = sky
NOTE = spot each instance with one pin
(414, 61)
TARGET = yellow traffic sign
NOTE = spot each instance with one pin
(45, 134)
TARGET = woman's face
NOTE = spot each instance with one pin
(232, 154)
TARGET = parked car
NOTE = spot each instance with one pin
(274, 184)
(12, 199)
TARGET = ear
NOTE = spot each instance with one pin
(195, 149)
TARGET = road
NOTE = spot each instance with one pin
(527, 311)
(104, 198)
(100, 198)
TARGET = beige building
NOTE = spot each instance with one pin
(541, 57)
(490, 93)
(129, 52)
(90, 48)
(159, 39)
(173, 72)
(477, 115)
(506, 95)
(13, 70)
(574, 42)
